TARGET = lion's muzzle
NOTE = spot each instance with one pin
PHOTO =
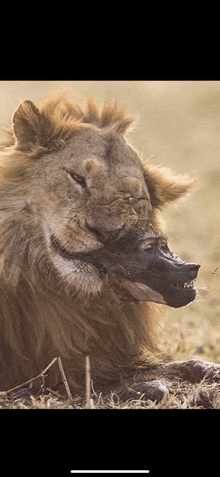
(112, 220)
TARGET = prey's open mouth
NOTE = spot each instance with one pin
(188, 285)
(175, 295)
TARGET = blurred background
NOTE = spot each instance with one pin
(177, 125)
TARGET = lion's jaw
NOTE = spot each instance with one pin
(78, 277)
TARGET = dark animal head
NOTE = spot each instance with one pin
(143, 267)
(154, 273)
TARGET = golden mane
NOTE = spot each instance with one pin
(61, 117)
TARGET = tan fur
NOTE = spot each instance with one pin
(51, 306)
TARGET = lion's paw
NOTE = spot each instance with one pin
(155, 390)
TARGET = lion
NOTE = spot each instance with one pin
(80, 217)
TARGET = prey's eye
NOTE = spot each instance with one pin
(149, 248)
(164, 247)
(78, 179)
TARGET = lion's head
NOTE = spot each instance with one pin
(83, 185)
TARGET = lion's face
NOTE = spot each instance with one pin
(93, 191)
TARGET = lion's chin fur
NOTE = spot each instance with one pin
(80, 278)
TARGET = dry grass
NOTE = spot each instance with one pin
(178, 123)
(185, 396)
(182, 395)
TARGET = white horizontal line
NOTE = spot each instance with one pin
(110, 471)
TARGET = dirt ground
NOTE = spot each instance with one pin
(177, 125)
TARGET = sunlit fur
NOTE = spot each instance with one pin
(48, 307)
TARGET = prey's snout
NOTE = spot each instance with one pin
(192, 269)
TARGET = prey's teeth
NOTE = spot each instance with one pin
(188, 284)
(184, 284)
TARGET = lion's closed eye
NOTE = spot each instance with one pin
(77, 179)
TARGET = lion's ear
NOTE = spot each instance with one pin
(26, 123)
(164, 186)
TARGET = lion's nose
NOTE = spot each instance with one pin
(105, 231)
